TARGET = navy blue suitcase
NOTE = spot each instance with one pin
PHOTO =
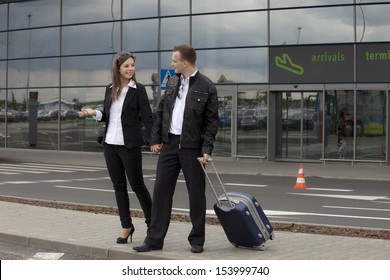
(241, 216)
(244, 222)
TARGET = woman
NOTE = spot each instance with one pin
(125, 102)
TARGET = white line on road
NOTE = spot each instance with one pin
(85, 189)
(355, 208)
(47, 256)
(30, 169)
(333, 190)
(245, 185)
(357, 197)
(76, 167)
(19, 182)
(270, 213)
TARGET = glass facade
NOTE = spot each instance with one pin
(297, 80)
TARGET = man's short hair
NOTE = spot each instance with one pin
(187, 53)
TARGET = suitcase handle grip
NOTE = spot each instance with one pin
(219, 180)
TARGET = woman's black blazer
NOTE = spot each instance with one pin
(136, 117)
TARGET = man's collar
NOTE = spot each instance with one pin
(192, 75)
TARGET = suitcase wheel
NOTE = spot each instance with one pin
(272, 236)
(261, 247)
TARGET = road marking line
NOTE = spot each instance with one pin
(47, 256)
(333, 190)
(54, 181)
(245, 185)
(19, 182)
(86, 189)
(357, 197)
(355, 208)
(270, 213)
(24, 171)
(82, 168)
(29, 168)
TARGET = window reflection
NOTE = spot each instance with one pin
(89, 39)
(3, 67)
(370, 124)
(230, 30)
(21, 132)
(174, 7)
(3, 17)
(206, 6)
(34, 43)
(80, 134)
(74, 11)
(3, 45)
(86, 71)
(174, 30)
(308, 26)
(140, 35)
(369, 28)
(34, 13)
(298, 3)
(139, 8)
(252, 115)
(235, 65)
(33, 73)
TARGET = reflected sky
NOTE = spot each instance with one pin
(241, 34)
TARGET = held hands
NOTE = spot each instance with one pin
(156, 148)
(86, 112)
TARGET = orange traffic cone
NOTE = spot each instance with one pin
(300, 184)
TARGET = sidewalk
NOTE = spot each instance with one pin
(95, 234)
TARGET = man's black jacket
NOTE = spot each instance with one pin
(200, 121)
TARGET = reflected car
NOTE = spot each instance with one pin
(225, 118)
(254, 118)
(293, 119)
(69, 115)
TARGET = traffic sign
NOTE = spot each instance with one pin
(165, 74)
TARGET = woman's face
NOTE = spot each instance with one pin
(127, 69)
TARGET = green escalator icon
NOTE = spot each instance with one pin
(286, 63)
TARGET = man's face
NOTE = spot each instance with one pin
(177, 63)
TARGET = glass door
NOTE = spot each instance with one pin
(300, 130)
(225, 142)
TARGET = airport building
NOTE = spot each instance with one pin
(297, 80)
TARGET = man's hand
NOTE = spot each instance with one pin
(205, 159)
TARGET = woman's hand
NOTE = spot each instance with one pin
(86, 112)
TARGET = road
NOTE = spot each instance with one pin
(10, 251)
(351, 203)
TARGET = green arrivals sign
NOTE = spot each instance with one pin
(311, 64)
(373, 62)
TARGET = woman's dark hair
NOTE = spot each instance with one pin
(118, 60)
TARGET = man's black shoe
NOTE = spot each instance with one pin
(146, 247)
(196, 248)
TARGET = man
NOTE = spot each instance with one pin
(184, 129)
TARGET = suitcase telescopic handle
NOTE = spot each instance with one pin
(211, 183)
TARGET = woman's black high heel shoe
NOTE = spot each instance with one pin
(121, 240)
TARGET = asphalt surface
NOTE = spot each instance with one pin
(93, 234)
